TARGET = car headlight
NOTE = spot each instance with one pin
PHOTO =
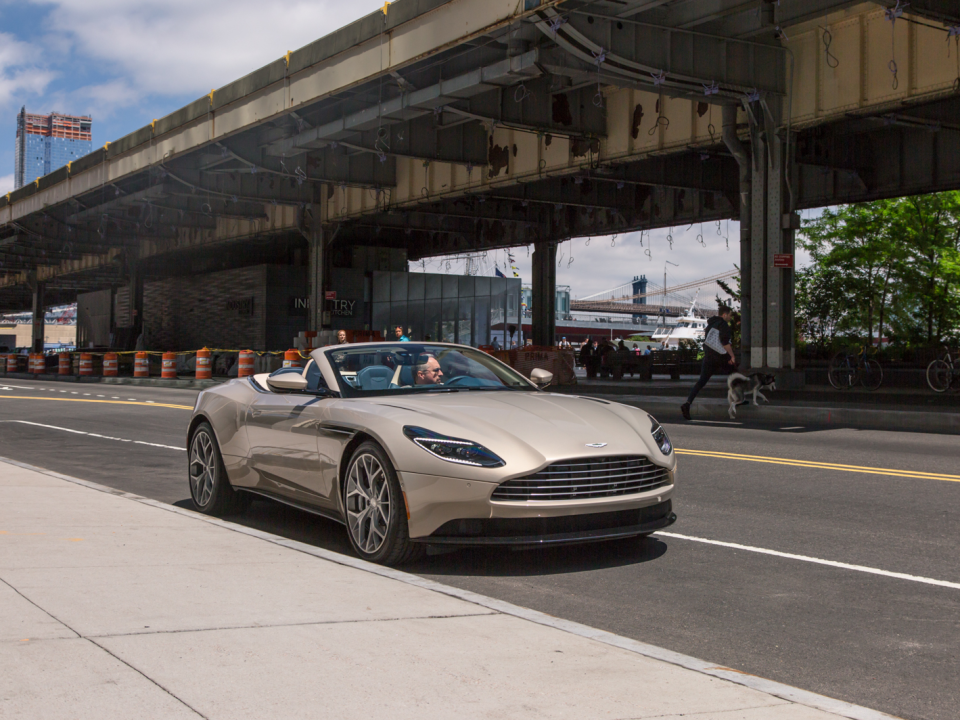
(455, 450)
(660, 436)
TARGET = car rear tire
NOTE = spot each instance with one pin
(210, 489)
(375, 509)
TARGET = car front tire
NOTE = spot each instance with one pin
(376, 513)
(210, 489)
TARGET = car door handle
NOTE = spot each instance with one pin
(256, 413)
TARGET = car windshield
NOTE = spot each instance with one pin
(386, 369)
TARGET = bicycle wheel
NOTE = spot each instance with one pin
(872, 377)
(939, 376)
(843, 373)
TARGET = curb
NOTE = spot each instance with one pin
(769, 687)
(856, 417)
(180, 383)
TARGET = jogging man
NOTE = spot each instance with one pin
(718, 354)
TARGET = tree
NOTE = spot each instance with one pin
(886, 265)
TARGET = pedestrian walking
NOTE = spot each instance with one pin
(718, 354)
(398, 331)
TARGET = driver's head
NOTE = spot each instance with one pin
(427, 371)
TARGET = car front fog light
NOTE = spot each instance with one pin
(455, 450)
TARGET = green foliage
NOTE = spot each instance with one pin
(889, 268)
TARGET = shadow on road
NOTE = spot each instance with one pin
(288, 522)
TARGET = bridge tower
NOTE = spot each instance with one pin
(639, 288)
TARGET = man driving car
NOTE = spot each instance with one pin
(427, 371)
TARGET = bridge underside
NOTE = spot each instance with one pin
(540, 123)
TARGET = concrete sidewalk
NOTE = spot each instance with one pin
(115, 606)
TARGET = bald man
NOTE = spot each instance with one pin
(428, 372)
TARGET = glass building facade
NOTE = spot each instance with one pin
(447, 308)
(48, 142)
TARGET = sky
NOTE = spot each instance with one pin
(126, 63)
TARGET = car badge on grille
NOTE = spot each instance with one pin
(596, 445)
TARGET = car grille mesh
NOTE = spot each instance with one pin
(586, 478)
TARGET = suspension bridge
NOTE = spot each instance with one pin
(655, 301)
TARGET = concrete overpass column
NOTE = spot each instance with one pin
(317, 271)
(545, 293)
(737, 149)
(39, 317)
(769, 304)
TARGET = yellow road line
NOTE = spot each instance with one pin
(823, 466)
(108, 402)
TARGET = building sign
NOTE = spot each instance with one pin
(342, 308)
(298, 306)
(783, 260)
(330, 295)
(242, 307)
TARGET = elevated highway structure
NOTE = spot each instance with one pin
(442, 126)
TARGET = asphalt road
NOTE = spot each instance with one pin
(890, 641)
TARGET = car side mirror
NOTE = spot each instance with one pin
(288, 382)
(541, 377)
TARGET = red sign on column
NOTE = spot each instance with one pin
(783, 260)
(330, 295)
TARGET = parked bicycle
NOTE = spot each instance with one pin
(847, 369)
(944, 372)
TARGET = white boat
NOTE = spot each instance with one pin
(690, 327)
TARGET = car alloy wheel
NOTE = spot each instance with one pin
(210, 489)
(368, 503)
(203, 468)
(375, 508)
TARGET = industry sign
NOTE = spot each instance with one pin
(298, 306)
(783, 260)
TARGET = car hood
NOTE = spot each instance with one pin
(544, 426)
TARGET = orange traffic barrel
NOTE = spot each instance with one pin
(86, 364)
(246, 367)
(141, 365)
(169, 368)
(64, 364)
(11, 363)
(39, 364)
(204, 369)
(31, 363)
(110, 365)
(291, 358)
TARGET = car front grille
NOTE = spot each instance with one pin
(584, 479)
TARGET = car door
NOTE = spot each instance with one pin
(282, 431)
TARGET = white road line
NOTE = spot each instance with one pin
(798, 427)
(114, 398)
(817, 561)
(97, 435)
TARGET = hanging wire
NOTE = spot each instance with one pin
(599, 58)
(832, 60)
(700, 237)
(670, 237)
(892, 14)
(613, 240)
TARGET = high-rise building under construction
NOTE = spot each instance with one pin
(48, 142)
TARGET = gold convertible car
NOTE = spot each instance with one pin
(412, 444)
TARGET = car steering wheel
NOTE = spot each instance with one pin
(458, 380)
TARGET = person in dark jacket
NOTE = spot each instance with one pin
(714, 362)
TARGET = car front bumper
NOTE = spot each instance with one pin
(451, 511)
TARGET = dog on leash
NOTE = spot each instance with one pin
(740, 385)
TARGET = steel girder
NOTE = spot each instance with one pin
(673, 59)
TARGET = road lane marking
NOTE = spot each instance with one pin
(91, 400)
(798, 427)
(913, 474)
(96, 435)
(816, 561)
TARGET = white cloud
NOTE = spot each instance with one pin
(16, 75)
(173, 47)
(6, 184)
